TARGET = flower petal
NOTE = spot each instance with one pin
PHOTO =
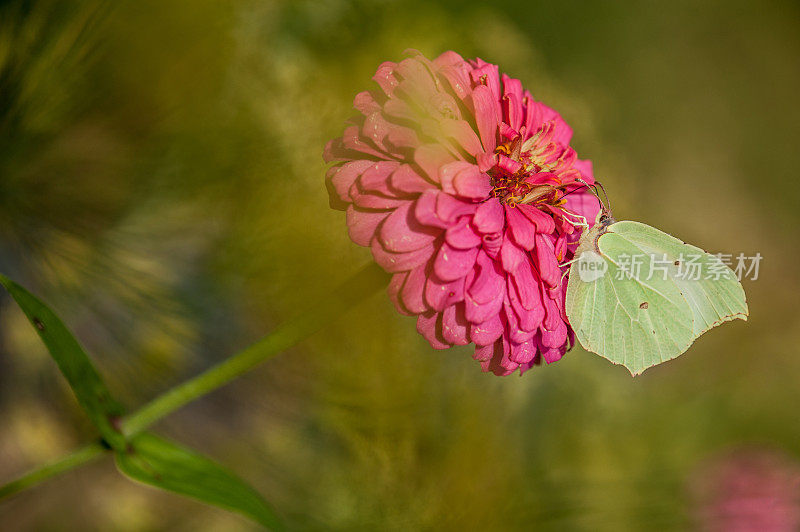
(429, 326)
(484, 103)
(489, 217)
(362, 225)
(401, 232)
(521, 228)
(440, 294)
(400, 262)
(412, 294)
(455, 325)
(461, 235)
(487, 332)
(452, 263)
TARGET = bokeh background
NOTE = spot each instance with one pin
(161, 186)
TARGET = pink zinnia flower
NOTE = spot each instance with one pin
(454, 177)
(747, 490)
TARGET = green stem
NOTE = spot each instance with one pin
(361, 285)
(39, 475)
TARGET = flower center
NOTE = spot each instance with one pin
(521, 176)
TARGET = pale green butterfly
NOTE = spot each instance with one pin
(639, 297)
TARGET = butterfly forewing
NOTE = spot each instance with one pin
(715, 295)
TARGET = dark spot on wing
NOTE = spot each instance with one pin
(38, 323)
(677, 263)
(643, 305)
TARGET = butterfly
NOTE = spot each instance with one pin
(639, 297)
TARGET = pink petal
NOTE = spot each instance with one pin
(401, 232)
(412, 294)
(375, 128)
(455, 325)
(485, 116)
(343, 177)
(352, 140)
(489, 217)
(492, 245)
(400, 138)
(487, 332)
(374, 201)
(448, 58)
(552, 318)
(400, 262)
(458, 80)
(429, 326)
(480, 312)
(529, 319)
(584, 166)
(440, 294)
(543, 222)
(431, 157)
(406, 180)
(546, 262)
(486, 352)
(512, 101)
(375, 178)
(450, 209)
(528, 288)
(463, 135)
(395, 286)
(524, 352)
(425, 209)
(461, 235)
(385, 77)
(551, 354)
(556, 337)
(511, 255)
(488, 282)
(521, 228)
(365, 103)
(362, 225)
(448, 173)
(472, 183)
(533, 114)
(515, 331)
(452, 263)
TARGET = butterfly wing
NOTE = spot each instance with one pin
(715, 297)
(653, 315)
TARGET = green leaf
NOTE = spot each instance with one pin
(92, 393)
(160, 463)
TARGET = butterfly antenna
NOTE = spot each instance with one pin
(593, 190)
(605, 194)
(585, 185)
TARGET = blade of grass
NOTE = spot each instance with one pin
(90, 390)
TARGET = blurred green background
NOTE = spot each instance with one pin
(161, 186)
